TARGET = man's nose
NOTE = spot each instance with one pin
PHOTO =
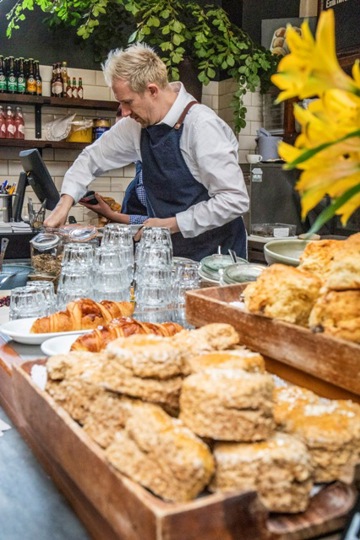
(126, 111)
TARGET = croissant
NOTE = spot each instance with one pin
(82, 314)
(97, 340)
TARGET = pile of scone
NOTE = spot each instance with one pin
(322, 293)
(198, 412)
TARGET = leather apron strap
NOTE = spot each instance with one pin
(184, 113)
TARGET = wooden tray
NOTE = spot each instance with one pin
(113, 507)
(324, 364)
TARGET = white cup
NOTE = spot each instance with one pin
(253, 158)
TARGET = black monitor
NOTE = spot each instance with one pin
(38, 177)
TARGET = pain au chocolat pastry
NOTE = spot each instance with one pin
(98, 339)
(82, 314)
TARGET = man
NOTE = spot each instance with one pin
(193, 182)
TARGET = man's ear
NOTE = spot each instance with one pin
(153, 89)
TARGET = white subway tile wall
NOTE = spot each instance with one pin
(217, 95)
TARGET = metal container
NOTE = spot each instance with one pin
(6, 203)
(99, 127)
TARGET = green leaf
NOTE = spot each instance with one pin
(331, 210)
(307, 154)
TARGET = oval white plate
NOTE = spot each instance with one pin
(205, 277)
(58, 345)
(19, 330)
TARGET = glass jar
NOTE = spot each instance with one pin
(46, 250)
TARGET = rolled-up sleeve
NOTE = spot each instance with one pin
(116, 148)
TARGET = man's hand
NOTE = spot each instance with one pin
(170, 223)
(59, 215)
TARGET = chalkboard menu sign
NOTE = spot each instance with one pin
(347, 23)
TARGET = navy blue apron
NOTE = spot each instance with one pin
(131, 204)
(171, 188)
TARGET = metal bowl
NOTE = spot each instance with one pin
(284, 251)
(14, 275)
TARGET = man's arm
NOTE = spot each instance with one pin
(60, 213)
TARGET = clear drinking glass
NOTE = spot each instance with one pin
(27, 302)
(78, 255)
(110, 274)
(47, 288)
(74, 282)
(120, 236)
(186, 277)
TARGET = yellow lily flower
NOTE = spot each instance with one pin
(312, 66)
(327, 150)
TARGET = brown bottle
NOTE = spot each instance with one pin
(30, 81)
(38, 78)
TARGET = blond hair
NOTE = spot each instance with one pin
(139, 65)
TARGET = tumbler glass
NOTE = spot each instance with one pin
(47, 288)
(78, 255)
(110, 272)
(74, 283)
(186, 277)
(27, 302)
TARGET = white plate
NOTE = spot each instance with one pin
(58, 345)
(205, 277)
(19, 330)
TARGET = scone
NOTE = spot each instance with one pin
(284, 293)
(344, 269)
(162, 454)
(240, 357)
(72, 381)
(211, 337)
(147, 356)
(317, 257)
(165, 392)
(337, 313)
(107, 414)
(228, 404)
(279, 469)
(329, 428)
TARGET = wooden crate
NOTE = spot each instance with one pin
(114, 507)
(324, 364)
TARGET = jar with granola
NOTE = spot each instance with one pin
(46, 250)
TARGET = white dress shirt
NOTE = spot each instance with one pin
(208, 146)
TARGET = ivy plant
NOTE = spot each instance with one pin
(177, 29)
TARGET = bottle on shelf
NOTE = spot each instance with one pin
(2, 123)
(68, 90)
(52, 83)
(19, 124)
(58, 84)
(10, 123)
(64, 77)
(21, 81)
(74, 88)
(3, 82)
(38, 78)
(30, 81)
(80, 89)
(11, 78)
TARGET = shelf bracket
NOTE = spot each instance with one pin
(38, 121)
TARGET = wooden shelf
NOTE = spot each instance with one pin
(37, 143)
(46, 101)
(59, 102)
